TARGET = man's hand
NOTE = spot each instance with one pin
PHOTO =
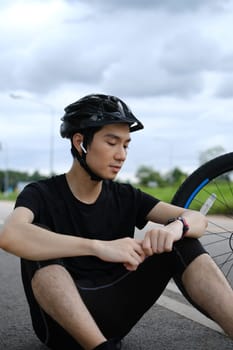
(160, 240)
(132, 252)
(127, 251)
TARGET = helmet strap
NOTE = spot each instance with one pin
(83, 163)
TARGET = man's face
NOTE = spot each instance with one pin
(108, 150)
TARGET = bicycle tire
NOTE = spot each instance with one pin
(215, 175)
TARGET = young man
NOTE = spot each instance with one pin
(87, 279)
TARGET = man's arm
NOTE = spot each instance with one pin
(162, 212)
(20, 237)
(24, 239)
(160, 239)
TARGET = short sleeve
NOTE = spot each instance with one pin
(30, 198)
(145, 203)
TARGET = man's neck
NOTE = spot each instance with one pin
(81, 185)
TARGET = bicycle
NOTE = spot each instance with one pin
(210, 189)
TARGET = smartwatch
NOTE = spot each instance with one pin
(184, 222)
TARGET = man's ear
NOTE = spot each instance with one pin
(77, 141)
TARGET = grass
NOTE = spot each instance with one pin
(222, 189)
(224, 201)
(164, 194)
(8, 197)
(223, 204)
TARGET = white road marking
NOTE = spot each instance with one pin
(186, 310)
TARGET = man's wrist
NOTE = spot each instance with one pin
(95, 247)
(184, 224)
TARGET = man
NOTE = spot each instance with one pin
(87, 279)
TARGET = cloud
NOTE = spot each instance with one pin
(149, 81)
(225, 87)
(171, 61)
(64, 60)
(168, 5)
(189, 52)
(71, 43)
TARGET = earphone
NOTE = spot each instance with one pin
(83, 148)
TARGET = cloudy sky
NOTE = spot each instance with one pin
(171, 61)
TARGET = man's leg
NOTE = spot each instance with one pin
(58, 296)
(115, 307)
(207, 286)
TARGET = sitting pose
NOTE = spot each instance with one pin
(87, 279)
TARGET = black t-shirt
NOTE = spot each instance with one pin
(115, 214)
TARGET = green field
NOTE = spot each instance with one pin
(10, 197)
(223, 190)
(164, 194)
(224, 201)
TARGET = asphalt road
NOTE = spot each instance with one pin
(159, 329)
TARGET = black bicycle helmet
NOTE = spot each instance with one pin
(94, 111)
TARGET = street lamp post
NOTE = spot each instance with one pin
(51, 111)
(6, 173)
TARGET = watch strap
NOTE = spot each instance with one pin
(183, 221)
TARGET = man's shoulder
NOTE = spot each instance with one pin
(47, 185)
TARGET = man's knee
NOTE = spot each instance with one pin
(45, 276)
(201, 264)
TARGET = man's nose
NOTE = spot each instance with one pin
(121, 153)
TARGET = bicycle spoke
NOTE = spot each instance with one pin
(228, 273)
(229, 253)
(226, 262)
(215, 242)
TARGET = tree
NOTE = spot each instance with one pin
(13, 177)
(210, 153)
(147, 176)
(176, 177)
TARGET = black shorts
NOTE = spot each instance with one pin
(117, 306)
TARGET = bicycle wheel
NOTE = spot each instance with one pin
(213, 181)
